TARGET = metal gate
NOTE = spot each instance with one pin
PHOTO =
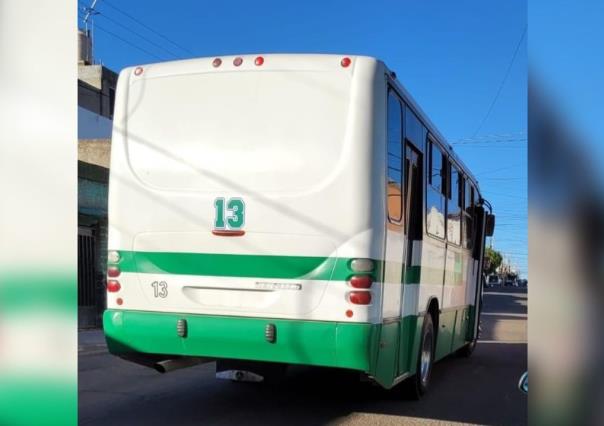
(90, 301)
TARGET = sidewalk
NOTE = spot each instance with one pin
(91, 342)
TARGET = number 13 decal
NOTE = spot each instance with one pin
(232, 217)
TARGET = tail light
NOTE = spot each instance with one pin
(113, 286)
(113, 271)
(113, 256)
(345, 62)
(362, 265)
(360, 281)
(359, 297)
(259, 60)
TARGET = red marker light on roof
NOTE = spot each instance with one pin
(138, 70)
(345, 62)
(259, 60)
(237, 61)
(216, 62)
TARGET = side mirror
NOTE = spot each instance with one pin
(523, 382)
(490, 225)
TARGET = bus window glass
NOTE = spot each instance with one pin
(435, 218)
(436, 164)
(468, 215)
(413, 128)
(394, 192)
(453, 208)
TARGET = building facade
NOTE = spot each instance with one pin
(96, 94)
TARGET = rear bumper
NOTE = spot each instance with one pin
(328, 344)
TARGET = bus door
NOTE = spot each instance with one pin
(386, 367)
(413, 214)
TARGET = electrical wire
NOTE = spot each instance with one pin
(147, 27)
(507, 73)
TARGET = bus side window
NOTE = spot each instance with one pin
(454, 207)
(468, 215)
(395, 159)
(435, 191)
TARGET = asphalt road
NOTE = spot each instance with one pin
(479, 390)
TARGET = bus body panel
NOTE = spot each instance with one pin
(299, 144)
(166, 164)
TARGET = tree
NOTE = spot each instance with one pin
(492, 260)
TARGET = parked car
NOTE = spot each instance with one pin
(493, 281)
(510, 282)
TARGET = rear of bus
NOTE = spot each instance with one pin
(245, 208)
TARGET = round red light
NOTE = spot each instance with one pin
(113, 271)
(113, 286)
(216, 62)
(360, 297)
(138, 70)
(259, 60)
(361, 281)
(345, 62)
(349, 313)
(237, 61)
(119, 301)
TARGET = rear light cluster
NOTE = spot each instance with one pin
(217, 62)
(113, 271)
(361, 281)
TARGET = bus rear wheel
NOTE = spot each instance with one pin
(418, 384)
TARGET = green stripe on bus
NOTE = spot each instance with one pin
(412, 274)
(238, 265)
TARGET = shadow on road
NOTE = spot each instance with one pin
(464, 390)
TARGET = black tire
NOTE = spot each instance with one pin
(419, 383)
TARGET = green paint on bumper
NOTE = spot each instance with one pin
(328, 344)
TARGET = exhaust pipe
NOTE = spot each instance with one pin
(168, 365)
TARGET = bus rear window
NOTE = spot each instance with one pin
(234, 131)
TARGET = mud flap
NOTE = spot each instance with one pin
(387, 358)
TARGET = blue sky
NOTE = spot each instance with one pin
(451, 56)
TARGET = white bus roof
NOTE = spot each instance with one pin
(301, 61)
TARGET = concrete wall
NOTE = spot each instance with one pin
(96, 94)
(96, 89)
(95, 151)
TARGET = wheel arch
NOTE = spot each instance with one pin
(433, 308)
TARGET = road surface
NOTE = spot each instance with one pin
(478, 390)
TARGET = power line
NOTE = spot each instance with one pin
(493, 137)
(508, 195)
(497, 170)
(507, 73)
(104, 16)
(487, 141)
(142, 24)
(97, 27)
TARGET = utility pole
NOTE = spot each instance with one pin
(90, 11)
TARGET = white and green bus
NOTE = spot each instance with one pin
(288, 209)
